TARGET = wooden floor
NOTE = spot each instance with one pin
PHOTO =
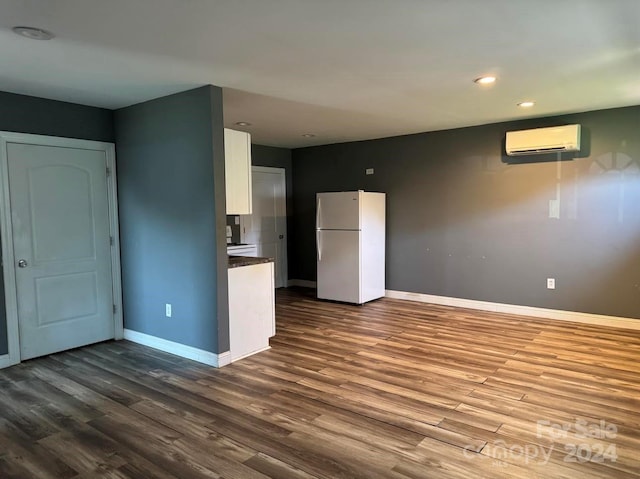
(391, 389)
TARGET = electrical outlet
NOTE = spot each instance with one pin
(551, 283)
(167, 310)
(369, 171)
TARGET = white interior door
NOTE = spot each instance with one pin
(266, 227)
(61, 245)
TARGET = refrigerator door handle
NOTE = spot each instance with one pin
(318, 245)
(318, 215)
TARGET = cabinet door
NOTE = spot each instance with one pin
(251, 309)
(237, 160)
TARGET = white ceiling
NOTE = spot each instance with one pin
(340, 69)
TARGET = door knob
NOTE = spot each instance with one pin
(22, 263)
(281, 236)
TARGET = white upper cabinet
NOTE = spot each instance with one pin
(237, 161)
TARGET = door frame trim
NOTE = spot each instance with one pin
(282, 172)
(6, 232)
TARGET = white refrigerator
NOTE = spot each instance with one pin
(350, 245)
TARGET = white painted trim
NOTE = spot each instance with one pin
(8, 257)
(182, 350)
(302, 283)
(249, 354)
(556, 314)
(224, 359)
(6, 231)
(5, 361)
(114, 227)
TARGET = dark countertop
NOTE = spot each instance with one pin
(237, 261)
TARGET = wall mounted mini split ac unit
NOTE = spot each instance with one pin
(543, 140)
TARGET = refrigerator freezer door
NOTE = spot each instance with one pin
(339, 265)
(338, 211)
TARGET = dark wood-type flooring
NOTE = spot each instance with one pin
(391, 389)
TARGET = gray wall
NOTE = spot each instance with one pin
(463, 222)
(26, 114)
(172, 221)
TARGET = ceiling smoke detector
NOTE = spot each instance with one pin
(33, 33)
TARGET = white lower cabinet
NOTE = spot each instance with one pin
(251, 309)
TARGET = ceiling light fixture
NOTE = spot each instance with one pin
(526, 104)
(487, 80)
(242, 123)
(309, 135)
(33, 33)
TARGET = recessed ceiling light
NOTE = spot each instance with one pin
(243, 123)
(33, 33)
(526, 104)
(487, 80)
(309, 135)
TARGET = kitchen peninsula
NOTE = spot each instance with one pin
(251, 305)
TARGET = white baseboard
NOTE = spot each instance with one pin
(250, 354)
(302, 283)
(224, 359)
(182, 350)
(6, 361)
(558, 314)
